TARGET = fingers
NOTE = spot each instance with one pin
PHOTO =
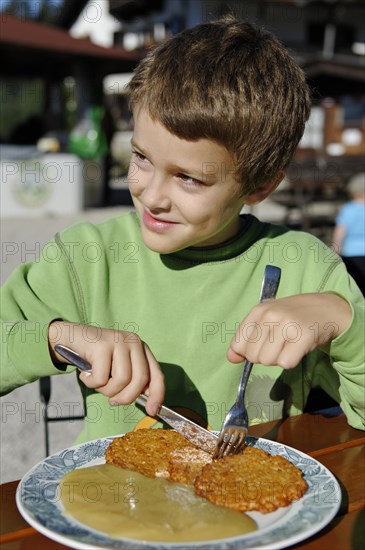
(100, 372)
(276, 333)
(123, 372)
(156, 387)
(129, 375)
(284, 355)
(144, 374)
(281, 351)
(234, 357)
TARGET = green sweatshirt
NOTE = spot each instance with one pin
(186, 306)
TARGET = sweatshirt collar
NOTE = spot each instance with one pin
(223, 251)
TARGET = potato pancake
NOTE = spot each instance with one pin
(146, 451)
(251, 480)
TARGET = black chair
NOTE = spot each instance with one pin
(320, 402)
(45, 392)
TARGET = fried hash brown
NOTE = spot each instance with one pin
(252, 480)
(146, 451)
(186, 464)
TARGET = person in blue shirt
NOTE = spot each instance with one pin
(349, 233)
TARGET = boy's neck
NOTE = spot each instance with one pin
(239, 232)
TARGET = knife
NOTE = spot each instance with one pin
(73, 358)
(197, 435)
(200, 437)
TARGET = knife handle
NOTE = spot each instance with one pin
(141, 399)
(270, 283)
(73, 358)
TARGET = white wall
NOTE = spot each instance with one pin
(96, 23)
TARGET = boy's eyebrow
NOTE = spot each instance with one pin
(203, 175)
(134, 144)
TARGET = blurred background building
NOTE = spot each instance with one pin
(327, 38)
(65, 64)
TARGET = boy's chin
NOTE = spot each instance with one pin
(161, 249)
(161, 245)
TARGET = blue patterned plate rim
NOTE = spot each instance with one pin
(38, 502)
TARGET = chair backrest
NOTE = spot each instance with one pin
(45, 389)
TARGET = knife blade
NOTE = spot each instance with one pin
(200, 437)
(197, 435)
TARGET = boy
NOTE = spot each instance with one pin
(164, 300)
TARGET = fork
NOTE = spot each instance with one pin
(235, 426)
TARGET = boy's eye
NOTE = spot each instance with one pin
(188, 180)
(139, 157)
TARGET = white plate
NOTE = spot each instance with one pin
(38, 501)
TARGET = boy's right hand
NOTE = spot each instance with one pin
(122, 365)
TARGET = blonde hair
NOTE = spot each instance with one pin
(356, 185)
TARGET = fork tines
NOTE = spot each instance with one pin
(230, 442)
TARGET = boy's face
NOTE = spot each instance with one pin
(184, 191)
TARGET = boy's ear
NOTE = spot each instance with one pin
(264, 191)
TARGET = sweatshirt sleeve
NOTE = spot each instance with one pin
(32, 297)
(347, 351)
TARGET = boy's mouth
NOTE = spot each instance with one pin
(156, 224)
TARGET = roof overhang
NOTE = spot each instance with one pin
(34, 49)
(346, 67)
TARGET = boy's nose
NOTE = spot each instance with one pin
(155, 194)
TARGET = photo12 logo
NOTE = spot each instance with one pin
(30, 186)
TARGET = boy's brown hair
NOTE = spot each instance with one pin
(233, 83)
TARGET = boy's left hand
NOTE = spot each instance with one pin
(280, 332)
